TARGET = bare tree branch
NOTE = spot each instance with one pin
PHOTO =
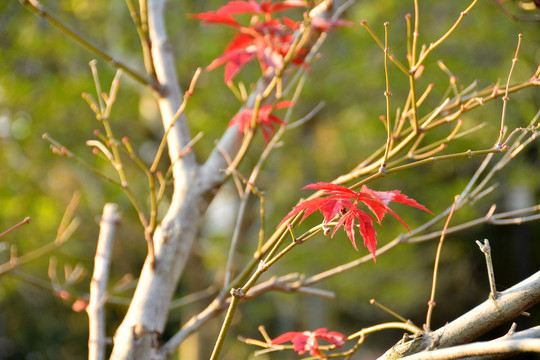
(98, 285)
(491, 313)
(136, 337)
(496, 347)
(170, 99)
(532, 333)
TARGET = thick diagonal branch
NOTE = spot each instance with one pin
(491, 313)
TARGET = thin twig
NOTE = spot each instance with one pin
(505, 97)
(496, 219)
(387, 94)
(174, 119)
(486, 249)
(391, 325)
(431, 302)
(61, 238)
(191, 298)
(142, 32)
(381, 45)
(236, 295)
(389, 311)
(415, 34)
(26, 220)
(433, 45)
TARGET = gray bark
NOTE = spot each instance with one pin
(491, 313)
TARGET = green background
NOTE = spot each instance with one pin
(42, 77)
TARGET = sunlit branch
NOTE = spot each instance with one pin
(36, 7)
(142, 32)
(505, 97)
(26, 220)
(433, 45)
(98, 285)
(384, 48)
(387, 94)
(60, 240)
(431, 302)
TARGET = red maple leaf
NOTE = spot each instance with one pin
(265, 119)
(268, 41)
(341, 204)
(306, 341)
(265, 38)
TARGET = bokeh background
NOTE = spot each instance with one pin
(42, 77)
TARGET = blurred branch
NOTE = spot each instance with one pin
(191, 298)
(67, 227)
(38, 9)
(142, 32)
(98, 285)
(26, 220)
(60, 150)
(515, 17)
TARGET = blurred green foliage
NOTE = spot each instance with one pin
(42, 77)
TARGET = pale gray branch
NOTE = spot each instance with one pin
(98, 285)
(137, 336)
(491, 313)
(496, 347)
(532, 333)
(170, 98)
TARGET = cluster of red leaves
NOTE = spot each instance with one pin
(265, 38)
(265, 119)
(341, 205)
(306, 341)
